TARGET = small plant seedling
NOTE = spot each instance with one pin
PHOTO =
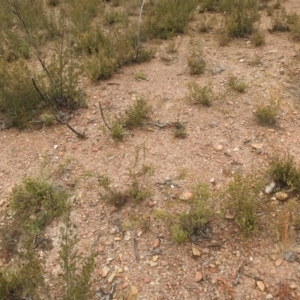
(266, 113)
(202, 95)
(237, 85)
(140, 75)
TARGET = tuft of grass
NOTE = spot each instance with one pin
(266, 113)
(140, 75)
(243, 202)
(258, 39)
(200, 95)
(284, 171)
(237, 85)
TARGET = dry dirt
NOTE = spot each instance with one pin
(218, 144)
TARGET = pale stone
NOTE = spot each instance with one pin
(196, 251)
(260, 285)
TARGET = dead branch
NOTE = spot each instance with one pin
(239, 273)
(103, 118)
(136, 250)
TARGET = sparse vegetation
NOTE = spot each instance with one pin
(196, 61)
(137, 190)
(257, 38)
(244, 202)
(200, 95)
(180, 130)
(140, 75)
(193, 223)
(284, 171)
(280, 20)
(266, 113)
(237, 85)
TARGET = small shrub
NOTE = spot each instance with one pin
(266, 113)
(196, 65)
(140, 75)
(47, 119)
(36, 202)
(136, 113)
(100, 67)
(76, 270)
(136, 191)
(53, 2)
(200, 95)
(241, 18)
(294, 21)
(180, 130)
(208, 5)
(284, 171)
(117, 130)
(205, 24)
(257, 39)
(243, 201)
(237, 85)
(172, 46)
(178, 235)
(192, 224)
(196, 61)
(166, 18)
(18, 98)
(280, 20)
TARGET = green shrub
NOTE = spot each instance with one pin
(13, 46)
(284, 171)
(193, 223)
(137, 113)
(76, 270)
(18, 98)
(140, 75)
(99, 67)
(196, 61)
(241, 18)
(200, 95)
(257, 38)
(166, 18)
(294, 21)
(237, 85)
(266, 113)
(36, 202)
(243, 202)
(280, 20)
